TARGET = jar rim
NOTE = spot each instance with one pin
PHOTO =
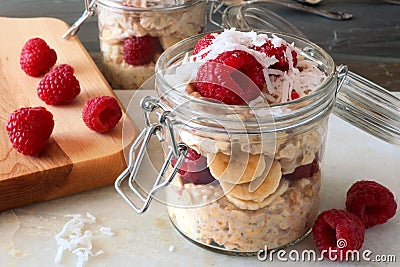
(114, 5)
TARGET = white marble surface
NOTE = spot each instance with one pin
(27, 234)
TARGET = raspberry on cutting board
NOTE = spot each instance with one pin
(140, 50)
(372, 202)
(59, 86)
(101, 113)
(37, 57)
(337, 231)
(29, 129)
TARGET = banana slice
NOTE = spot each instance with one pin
(267, 186)
(238, 168)
(253, 205)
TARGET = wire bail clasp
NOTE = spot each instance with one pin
(342, 72)
(215, 8)
(90, 10)
(177, 150)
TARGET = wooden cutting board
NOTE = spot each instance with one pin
(77, 159)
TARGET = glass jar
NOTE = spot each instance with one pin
(133, 34)
(265, 162)
(161, 26)
(281, 155)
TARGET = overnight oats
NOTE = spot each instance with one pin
(133, 34)
(252, 173)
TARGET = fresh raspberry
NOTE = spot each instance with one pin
(37, 57)
(294, 95)
(194, 168)
(279, 53)
(228, 84)
(59, 86)
(140, 50)
(101, 113)
(29, 129)
(304, 171)
(372, 202)
(204, 42)
(336, 232)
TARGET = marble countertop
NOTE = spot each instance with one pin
(27, 233)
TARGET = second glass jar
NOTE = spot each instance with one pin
(133, 34)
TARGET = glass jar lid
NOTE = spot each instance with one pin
(251, 17)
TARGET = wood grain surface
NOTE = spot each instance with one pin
(77, 159)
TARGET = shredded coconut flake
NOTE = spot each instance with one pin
(230, 40)
(106, 231)
(303, 79)
(71, 238)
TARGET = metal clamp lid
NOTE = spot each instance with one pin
(177, 150)
(248, 17)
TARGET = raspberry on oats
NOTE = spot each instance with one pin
(279, 53)
(140, 50)
(101, 113)
(227, 78)
(59, 86)
(337, 231)
(294, 95)
(37, 57)
(204, 42)
(194, 168)
(29, 129)
(304, 171)
(372, 202)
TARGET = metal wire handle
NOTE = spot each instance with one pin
(90, 10)
(177, 150)
(215, 8)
